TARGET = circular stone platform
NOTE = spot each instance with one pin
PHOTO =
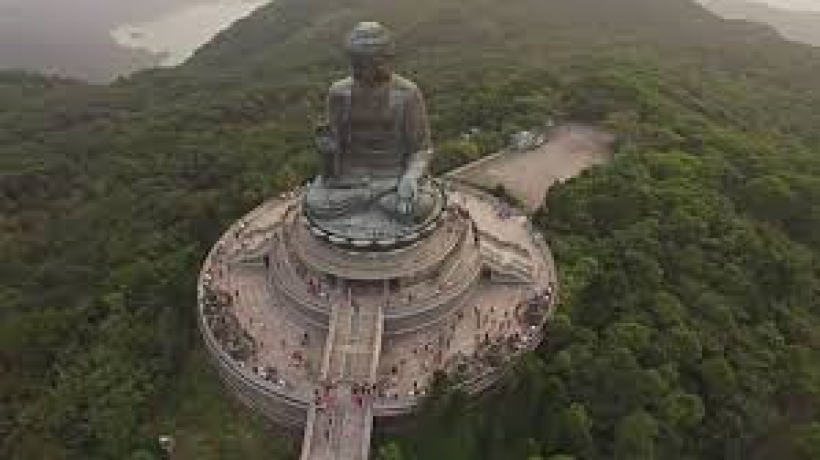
(289, 317)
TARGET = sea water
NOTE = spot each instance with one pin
(177, 34)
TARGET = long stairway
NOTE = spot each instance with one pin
(340, 429)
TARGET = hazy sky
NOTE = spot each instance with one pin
(808, 5)
(105, 11)
(73, 37)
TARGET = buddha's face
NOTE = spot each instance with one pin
(370, 69)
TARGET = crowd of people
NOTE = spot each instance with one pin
(245, 344)
(243, 339)
(329, 395)
(496, 333)
(225, 326)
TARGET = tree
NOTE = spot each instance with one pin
(635, 437)
(682, 410)
(577, 430)
(389, 451)
(719, 377)
(807, 441)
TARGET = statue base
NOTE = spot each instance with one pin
(374, 225)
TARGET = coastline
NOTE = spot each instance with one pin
(78, 40)
(177, 35)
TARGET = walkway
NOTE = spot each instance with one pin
(529, 175)
(341, 416)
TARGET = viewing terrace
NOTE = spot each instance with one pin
(331, 355)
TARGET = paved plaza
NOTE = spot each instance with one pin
(528, 175)
(307, 324)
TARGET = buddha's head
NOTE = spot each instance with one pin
(371, 50)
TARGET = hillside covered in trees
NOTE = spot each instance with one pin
(689, 326)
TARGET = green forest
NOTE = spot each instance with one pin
(689, 326)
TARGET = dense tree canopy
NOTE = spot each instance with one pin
(689, 326)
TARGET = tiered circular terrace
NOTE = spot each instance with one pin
(317, 334)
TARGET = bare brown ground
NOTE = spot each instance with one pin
(528, 175)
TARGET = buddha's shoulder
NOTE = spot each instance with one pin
(404, 84)
(342, 86)
(397, 83)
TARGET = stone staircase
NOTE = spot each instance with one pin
(341, 429)
(508, 262)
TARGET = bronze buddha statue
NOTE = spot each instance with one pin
(375, 146)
